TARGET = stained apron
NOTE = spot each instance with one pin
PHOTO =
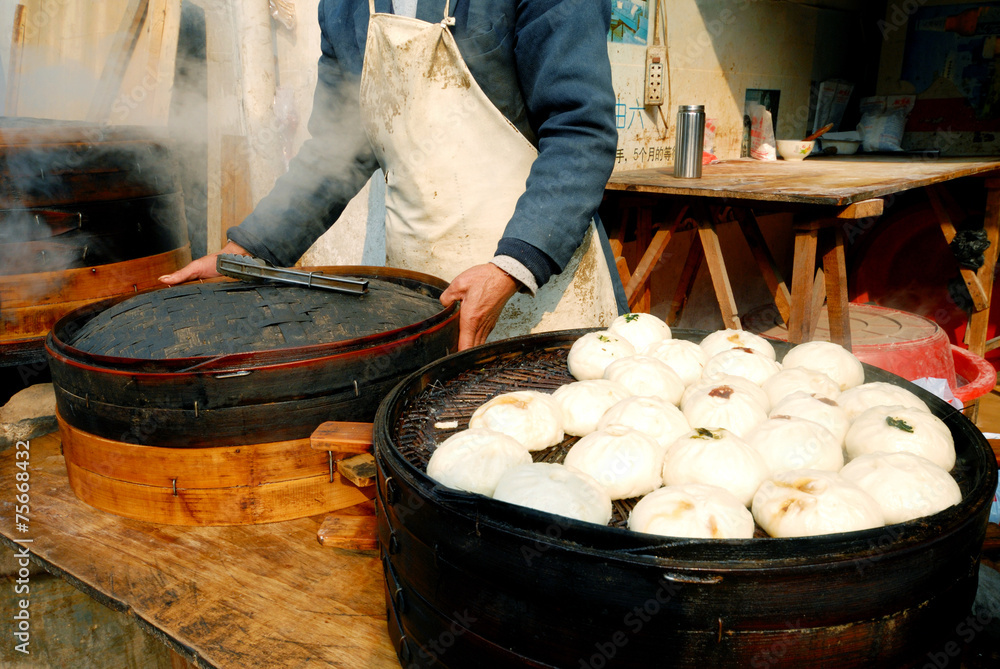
(454, 170)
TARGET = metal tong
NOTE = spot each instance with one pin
(248, 268)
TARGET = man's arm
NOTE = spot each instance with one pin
(561, 57)
(329, 169)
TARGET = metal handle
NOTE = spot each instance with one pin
(247, 268)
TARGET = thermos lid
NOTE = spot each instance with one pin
(691, 108)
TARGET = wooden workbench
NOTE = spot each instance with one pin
(243, 596)
(827, 195)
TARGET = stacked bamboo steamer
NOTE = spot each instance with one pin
(87, 212)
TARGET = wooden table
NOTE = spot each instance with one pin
(242, 596)
(827, 196)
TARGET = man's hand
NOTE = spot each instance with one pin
(202, 268)
(483, 291)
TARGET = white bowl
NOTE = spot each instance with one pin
(794, 149)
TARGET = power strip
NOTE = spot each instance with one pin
(656, 73)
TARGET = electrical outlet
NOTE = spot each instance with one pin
(656, 73)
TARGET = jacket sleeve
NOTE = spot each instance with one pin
(329, 169)
(562, 63)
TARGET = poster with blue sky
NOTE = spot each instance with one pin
(629, 22)
(950, 52)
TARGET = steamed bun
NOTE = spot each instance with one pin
(554, 488)
(693, 510)
(474, 460)
(532, 418)
(808, 502)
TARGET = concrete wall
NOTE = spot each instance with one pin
(718, 49)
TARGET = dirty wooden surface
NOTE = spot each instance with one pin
(246, 596)
(818, 181)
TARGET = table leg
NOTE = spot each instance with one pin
(803, 266)
(819, 298)
(835, 270)
(720, 278)
(979, 321)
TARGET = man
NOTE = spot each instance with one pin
(494, 123)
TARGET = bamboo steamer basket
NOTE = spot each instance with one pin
(215, 431)
(87, 212)
(473, 581)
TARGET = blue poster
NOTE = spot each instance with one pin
(951, 48)
(629, 21)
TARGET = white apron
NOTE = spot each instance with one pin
(454, 170)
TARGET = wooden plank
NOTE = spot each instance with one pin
(639, 280)
(765, 261)
(720, 277)
(979, 321)
(226, 597)
(863, 209)
(835, 270)
(829, 181)
(14, 66)
(343, 437)
(237, 200)
(118, 59)
(353, 528)
(803, 268)
(359, 470)
(972, 283)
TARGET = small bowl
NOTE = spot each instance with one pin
(840, 147)
(795, 149)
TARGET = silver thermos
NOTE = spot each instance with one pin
(690, 141)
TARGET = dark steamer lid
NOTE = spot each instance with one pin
(233, 317)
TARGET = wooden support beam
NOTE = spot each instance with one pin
(686, 280)
(236, 199)
(765, 261)
(972, 282)
(979, 321)
(720, 277)
(14, 67)
(803, 269)
(637, 283)
(118, 59)
(835, 271)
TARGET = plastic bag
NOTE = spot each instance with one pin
(883, 121)
(968, 247)
(940, 388)
(762, 144)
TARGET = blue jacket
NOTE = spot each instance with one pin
(543, 63)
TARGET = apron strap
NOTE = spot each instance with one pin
(371, 6)
(448, 19)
